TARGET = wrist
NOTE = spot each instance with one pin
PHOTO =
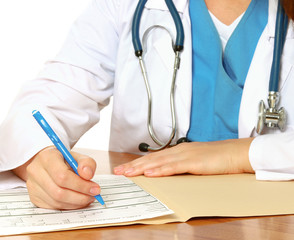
(21, 171)
(240, 155)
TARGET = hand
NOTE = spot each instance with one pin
(202, 158)
(52, 183)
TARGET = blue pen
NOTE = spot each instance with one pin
(60, 146)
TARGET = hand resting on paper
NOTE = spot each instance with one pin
(53, 184)
(202, 158)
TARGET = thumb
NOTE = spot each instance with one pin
(86, 165)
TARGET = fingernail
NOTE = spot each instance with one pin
(118, 169)
(148, 172)
(130, 170)
(94, 190)
(88, 171)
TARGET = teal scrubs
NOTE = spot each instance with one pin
(219, 76)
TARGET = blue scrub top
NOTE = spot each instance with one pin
(218, 77)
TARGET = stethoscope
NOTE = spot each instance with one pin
(270, 117)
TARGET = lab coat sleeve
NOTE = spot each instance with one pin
(69, 92)
(271, 156)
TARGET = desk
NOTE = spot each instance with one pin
(251, 228)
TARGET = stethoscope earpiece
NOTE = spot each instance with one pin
(143, 147)
(182, 140)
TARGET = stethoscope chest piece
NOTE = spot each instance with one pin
(271, 117)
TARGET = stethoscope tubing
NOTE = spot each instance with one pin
(179, 43)
(280, 35)
(136, 26)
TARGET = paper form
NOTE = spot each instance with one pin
(125, 202)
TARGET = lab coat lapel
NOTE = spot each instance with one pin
(184, 79)
(257, 82)
(256, 87)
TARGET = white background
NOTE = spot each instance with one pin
(32, 32)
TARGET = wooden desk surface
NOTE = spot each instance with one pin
(252, 228)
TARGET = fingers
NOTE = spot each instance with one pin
(86, 165)
(64, 177)
(168, 169)
(52, 184)
(51, 196)
(151, 164)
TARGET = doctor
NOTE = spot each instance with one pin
(216, 103)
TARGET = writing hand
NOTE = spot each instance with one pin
(52, 183)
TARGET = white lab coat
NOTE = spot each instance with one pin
(97, 61)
